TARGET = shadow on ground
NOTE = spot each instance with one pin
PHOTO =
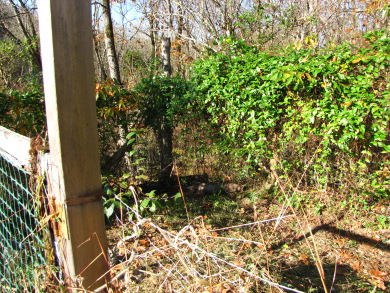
(340, 278)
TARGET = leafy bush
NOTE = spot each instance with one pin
(117, 114)
(162, 100)
(23, 112)
(115, 104)
(123, 192)
(161, 103)
(329, 107)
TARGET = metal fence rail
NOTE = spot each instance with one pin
(23, 253)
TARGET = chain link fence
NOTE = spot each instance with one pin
(24, 245)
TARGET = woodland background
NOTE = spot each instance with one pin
(253, 99)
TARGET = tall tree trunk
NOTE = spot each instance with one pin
(166, 57)
(102, 71)
(165, 132)
(153, 28)
(112, 57)
(164, 137)
(180, 67)
(113, 68)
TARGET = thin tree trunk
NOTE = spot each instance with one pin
(180, 67)
(113, 68)
(166, 57)
(153, 42)
(96, 40)
(164, 137)
(165, 132)
(102, 71)
(115, 159)
(112, 58)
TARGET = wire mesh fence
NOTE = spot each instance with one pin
(23, 251)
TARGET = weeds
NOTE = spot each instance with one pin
(290, 245)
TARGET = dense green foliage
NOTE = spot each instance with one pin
(23, 112)
(329, 107)
(322, 115)
(162, 100)
(17, 70)
(154, 101)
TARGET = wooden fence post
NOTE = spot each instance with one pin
(74, 168)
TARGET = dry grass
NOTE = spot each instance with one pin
(272, 248)
(196, 258)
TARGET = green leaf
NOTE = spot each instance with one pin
(153, 207)
(151, 193)
(124, 185)
(142, 177)
(145, 202)
(109, 211)
(386, 149)
(177, 196)
(130, 135)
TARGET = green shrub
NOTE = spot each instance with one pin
(23, 112)
(162, 100)
(327, 109)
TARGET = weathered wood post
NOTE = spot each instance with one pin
(74, 169)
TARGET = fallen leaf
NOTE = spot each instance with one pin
(144, 242)
(341, 242)
(239, 263)
(158, 255)
(118, 267)
(355, 265)
(381, 285)
(344, 255)
(246, 245)
(304, 258)
(378, 274)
